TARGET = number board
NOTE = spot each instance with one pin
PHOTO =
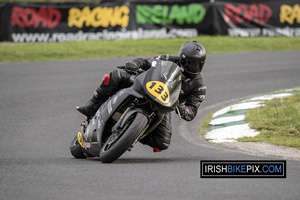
(159, 90)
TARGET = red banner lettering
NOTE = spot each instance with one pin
(258, 13)
(27, 17)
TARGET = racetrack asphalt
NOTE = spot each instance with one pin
(39, 120)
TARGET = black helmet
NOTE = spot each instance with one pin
(192, 57)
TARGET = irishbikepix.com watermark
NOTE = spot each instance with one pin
(242, 169)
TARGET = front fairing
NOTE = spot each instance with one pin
(162, 83)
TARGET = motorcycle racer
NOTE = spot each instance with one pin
(191, 59)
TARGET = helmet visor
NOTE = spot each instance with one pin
(193, 67)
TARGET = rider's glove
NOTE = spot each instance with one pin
(136, 65)
(181, 109)
(185, 112)
(141, 63)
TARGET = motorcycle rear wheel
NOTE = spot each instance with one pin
(134, 126)
(75, 149)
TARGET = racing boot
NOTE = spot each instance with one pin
(111, 83)
(89, 109)
(94, 103)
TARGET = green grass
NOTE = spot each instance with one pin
(278, 122)
(205, 124)
(30, 52)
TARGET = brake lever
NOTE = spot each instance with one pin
(177, 109)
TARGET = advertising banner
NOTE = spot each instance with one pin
(258, 18)
(61, 22)
(37, 22)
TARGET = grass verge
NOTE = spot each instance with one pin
(278, 122)
(205, 127)
(32, 52)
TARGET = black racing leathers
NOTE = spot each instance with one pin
(192, 94)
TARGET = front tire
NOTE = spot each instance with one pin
(134, 126)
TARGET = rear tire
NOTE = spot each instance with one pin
(76, 149)
(135, 126)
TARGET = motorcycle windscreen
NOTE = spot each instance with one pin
(163, 82)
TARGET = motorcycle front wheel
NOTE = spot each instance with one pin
(120, 142)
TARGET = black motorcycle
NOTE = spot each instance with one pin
(130, 114)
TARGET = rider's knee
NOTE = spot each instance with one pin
(163, 145)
